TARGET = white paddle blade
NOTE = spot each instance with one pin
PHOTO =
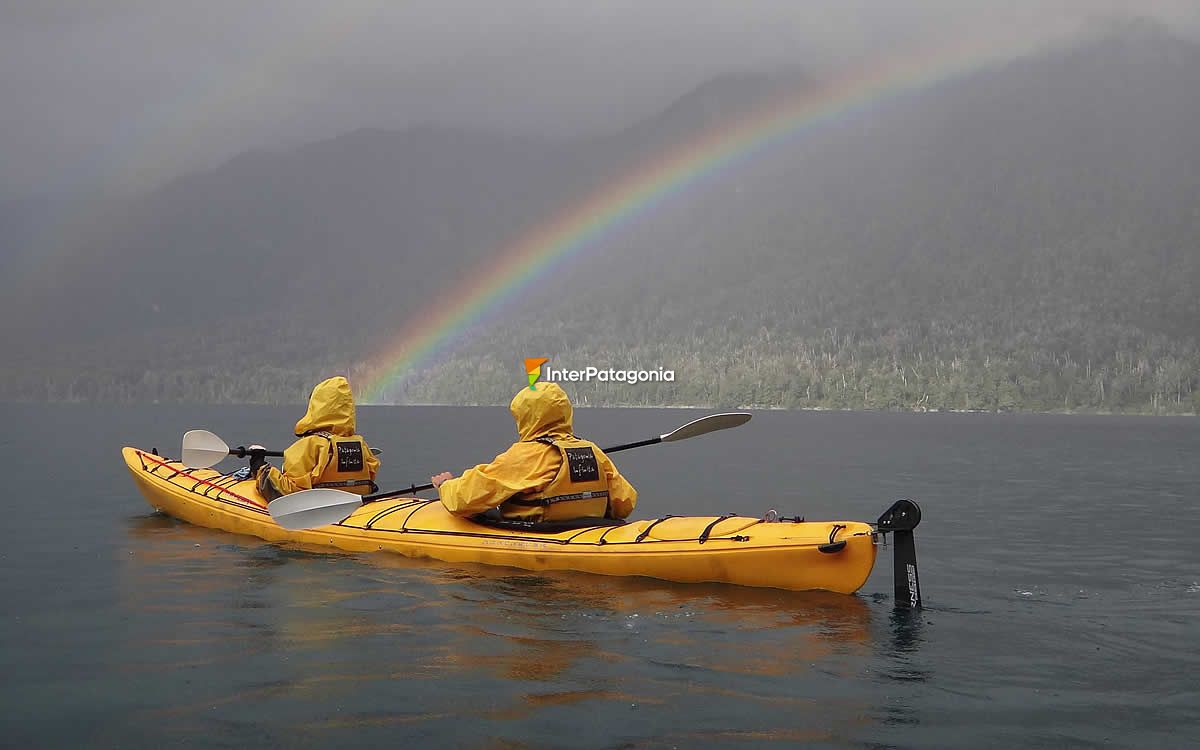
(705, 425)
(309, 509)
(202, 449)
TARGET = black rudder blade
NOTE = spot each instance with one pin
(900, 520)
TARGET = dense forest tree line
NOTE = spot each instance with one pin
(1069, 331)
(839, 369)
(969, 358)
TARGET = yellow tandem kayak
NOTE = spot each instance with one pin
(786, 554)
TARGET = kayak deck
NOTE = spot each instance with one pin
(796, 555)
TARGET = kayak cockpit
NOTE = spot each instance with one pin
(496, 521)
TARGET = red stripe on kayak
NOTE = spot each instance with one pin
(190, 475)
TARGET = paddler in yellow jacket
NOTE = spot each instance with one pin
(549, 475)
(329, 452)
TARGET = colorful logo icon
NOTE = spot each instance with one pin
(533, 367)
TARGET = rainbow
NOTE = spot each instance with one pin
(533, 255)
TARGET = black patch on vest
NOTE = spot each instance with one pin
(581, 462)
(350, 457)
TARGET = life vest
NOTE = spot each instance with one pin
(347, 466)
(578, 490)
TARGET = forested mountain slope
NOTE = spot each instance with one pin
(1024, 238)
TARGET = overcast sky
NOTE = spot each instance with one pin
(121, 94)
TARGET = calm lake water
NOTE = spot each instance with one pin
(1059, 563)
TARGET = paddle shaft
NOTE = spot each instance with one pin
(638, 444)
(397, 493)
(242, 452)
(422, 487)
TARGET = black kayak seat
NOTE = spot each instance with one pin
(493, 519)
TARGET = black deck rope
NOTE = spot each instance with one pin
(586, 529)
(601, 541)
(708, 529)
(237, 501)
(233, 500)
(181, 470)
(650, 528)
(404, 526)
(225, 489)
(834, 532)
(217, 484)
(388, 511)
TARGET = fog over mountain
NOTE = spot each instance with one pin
(123, 95)
(1026, 237)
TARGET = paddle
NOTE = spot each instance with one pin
(309, 509)
(202, 449)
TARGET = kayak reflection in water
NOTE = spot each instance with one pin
(328, 454)
(548, 475)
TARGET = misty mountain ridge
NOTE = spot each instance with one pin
(1026, 237)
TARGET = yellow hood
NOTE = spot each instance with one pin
(542, 411)
(330, 408)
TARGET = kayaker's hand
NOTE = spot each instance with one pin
(437, 479)
(257, 460)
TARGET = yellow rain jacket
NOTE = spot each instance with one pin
(329, 453)
(548, 464)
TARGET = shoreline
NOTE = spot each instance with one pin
(1016, 412)
(681, 407)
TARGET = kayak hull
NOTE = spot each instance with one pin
(829, 555)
